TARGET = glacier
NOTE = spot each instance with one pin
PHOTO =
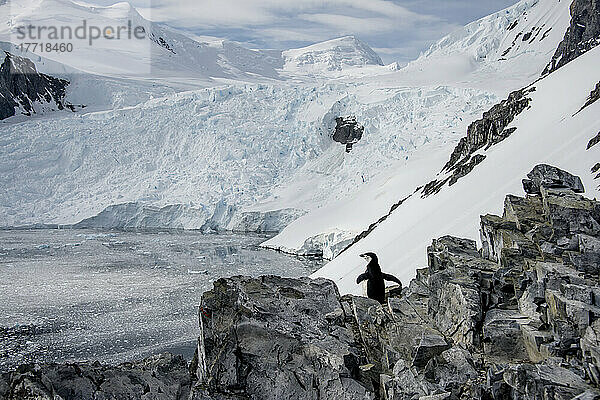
(220, 137)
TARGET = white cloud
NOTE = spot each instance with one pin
(399, 28)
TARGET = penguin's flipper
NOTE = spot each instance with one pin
(392, 278)
(362, 277)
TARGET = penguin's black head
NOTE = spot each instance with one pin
(370, 257)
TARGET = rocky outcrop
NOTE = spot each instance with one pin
(593, 141)
(275, 338)
(481, 134)
(547, 176)
(161, 377)
(582, 35)
(593, 97)
(490, 129)
(516, 319)
(21, 86)
(348, 132)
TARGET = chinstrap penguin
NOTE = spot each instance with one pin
(375, 278)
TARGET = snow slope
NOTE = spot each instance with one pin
(474, 57)
(551, 131)
(246, 155)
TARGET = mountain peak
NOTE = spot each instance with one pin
(331, 55)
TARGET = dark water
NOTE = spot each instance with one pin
(69, 295)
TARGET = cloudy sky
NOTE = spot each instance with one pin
(397, 29)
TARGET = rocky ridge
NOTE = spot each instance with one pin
(21, 86)
(516, 319)
(582, 35)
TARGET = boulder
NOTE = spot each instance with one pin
(274, 338)
(347, 131)
(550, 177)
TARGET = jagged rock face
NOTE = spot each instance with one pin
(161, 377)
(21, 86)
(593, 97)
(582, 35)
(551, 178)
(489, 130)
(276, 338)
(517, 319)
(348, 131)
(481, 134)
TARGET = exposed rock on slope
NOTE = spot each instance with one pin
(517, 319)
(22, 86)
(347, 131)
(594, 96)
(582, 35)
(489, 130)
(481, 134)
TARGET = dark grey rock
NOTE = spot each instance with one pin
(483, 133)
(570, 213)
(490, 130)
(550, 177)
(593, 141)
(269, 338)
(582, 35)
(538, 382)
(161, 377)
(592, 98)
(21, 85)
(503, 337)
(348, 131)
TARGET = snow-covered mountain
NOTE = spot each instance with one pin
(165, 54)
(487, 56)
(554, 120)
(332, 55)
(253, 150)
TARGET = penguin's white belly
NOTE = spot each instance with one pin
(364, 285)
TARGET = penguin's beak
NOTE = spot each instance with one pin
(366, 257)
